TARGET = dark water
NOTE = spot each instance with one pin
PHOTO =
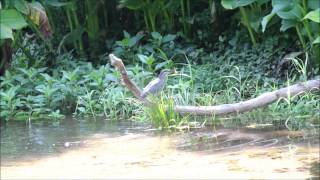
(20, 139)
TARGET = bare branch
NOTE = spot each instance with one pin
(224, 109)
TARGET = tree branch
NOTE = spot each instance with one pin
(243, 106)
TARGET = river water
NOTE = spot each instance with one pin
(124, 149)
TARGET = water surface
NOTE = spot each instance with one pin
(124, 149)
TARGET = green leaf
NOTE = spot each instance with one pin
(126, 34)
(5, 32)
(254, 20)
(292, 13)
(313, 4)
(316, 41)
(160, 65)
(313, 16)
(232, 4)
(132, 4)
(55, 3)
(12, 18)
(143, 58)
(150, 60)
(266, 20)
(156, 35)
(21, 6)
(286, 24)
(168, 38)
(134, 40)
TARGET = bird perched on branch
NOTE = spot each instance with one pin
(156, 85)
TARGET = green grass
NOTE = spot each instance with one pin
(227, 75)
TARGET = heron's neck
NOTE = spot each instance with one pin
(163, 77)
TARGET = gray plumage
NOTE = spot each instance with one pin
(156, 85)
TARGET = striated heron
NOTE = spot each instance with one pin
(156, 85)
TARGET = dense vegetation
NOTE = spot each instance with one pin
(225, 51)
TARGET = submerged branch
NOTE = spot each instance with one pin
(243, 106)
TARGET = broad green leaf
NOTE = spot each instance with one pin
(265, 20)
(156, 35)
(286, 24)
(12, 18)
(143, 58)
(254, 20)
(5, 32)
(313, 16)
(126, 34)
(150, 60)
(168, 38)
(232, 4)
(277, 5)
(228, 4)
(313, 4)
(134, 40)
(292, 13)
(21, 6)
(160, 65)
(316, 41)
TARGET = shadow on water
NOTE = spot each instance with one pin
(41, 138)
(231, 139)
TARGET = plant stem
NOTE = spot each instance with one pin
(76, 21)
(300, 37)
(145, 16)
(70, 24)
(305, 22)
(152, 21)
(183, 17)
(189, 16)
(246, 22)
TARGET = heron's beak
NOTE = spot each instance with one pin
(173, 71)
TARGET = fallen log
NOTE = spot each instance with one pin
(224, 109)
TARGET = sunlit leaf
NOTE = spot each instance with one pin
(142, 58)
(232, 4)
(5, 32)
(12, 18)
(126, 34)
(313, 16)
(316, 41)
(265, 20)
(292, 13)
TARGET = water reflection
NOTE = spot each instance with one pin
(44, 137)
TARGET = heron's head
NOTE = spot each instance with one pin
(164, 73)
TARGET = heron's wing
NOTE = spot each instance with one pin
(148, 88)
